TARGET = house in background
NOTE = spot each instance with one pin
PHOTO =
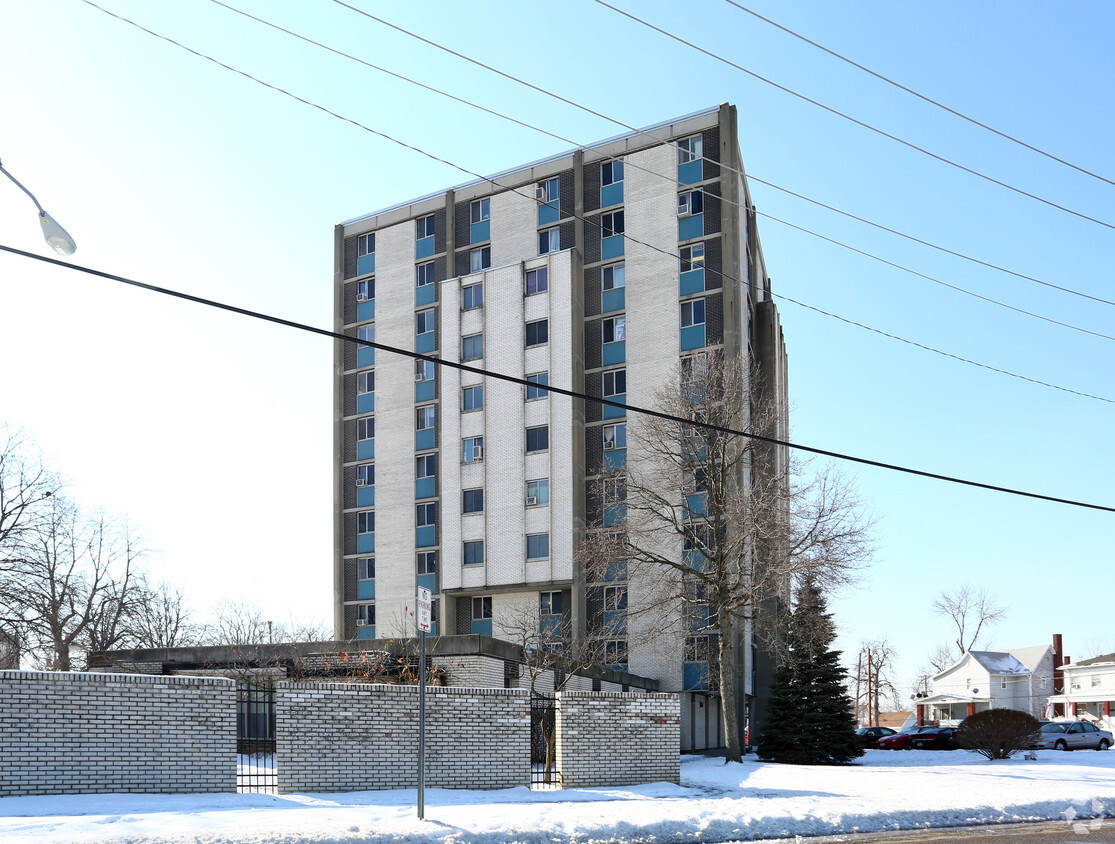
(1088, 690)
(1022, 678)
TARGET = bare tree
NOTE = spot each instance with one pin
(715, 527)
(240, 622)
(26, 485)
(874, 681)
(971, 610)
(162, 619)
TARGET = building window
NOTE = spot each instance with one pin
(538, 492)
(366, 290)
(425, 321)
(424, 227)
(472, 398)
(540, 378)
(690, 202)
(692, 313)
(615, 598)
(615, 652)
(366, 428)
(365, 382)
(538, 332)
(427, 562)
(366, 474)
(474, 554)
(692, 257)
(537, 280)
(473, 449)
(424, 370)
(613, 276)
(690, 149)
(479, 210)
(366, 615)
(366, 521)
(366, 333)
(472, 297)
(479, 259)
(538, 439)
(549, 603)
(614, 329)
(611, 172)
(472, 347)
(425, 514)
(615, 383)
(549, 240)
(1096, 681)
(425, 417)
(426, 466)
(481, 608)
(615, 436)
(366, 568)
(472, 501)
(549, 191)
(425, 274)
(538, 546)
(366, 244)
(611, 223)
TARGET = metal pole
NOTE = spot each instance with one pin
(421, 725)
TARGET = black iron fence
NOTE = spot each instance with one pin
(544, 771)
(256, 763)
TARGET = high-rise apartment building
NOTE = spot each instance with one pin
(599, 271)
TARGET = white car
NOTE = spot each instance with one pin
(1072, 735)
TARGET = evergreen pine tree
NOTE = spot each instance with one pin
(809, 715)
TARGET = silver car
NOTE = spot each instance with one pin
(1072, 735)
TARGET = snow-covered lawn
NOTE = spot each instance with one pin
(716, 802)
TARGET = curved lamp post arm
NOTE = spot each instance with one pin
(57, 237)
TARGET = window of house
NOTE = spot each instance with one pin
(1096, 681)
(366, 568)
(692, 312)
(472, 501)
(473, 553)
(549, 190)
(425, 321)
(690, 202)
(538, 546)
(426, 466)
(424, 227)
(472, 347)
(366, 428)
(611, 223)
(611, 172)
(481, 608)
(549, 240)
(425, 514)
(538, 332)
(472, 449)
(366, 615)
(366, 244)
(549, 603)
(366, 333)
(615, 436)
(366, 474)
(613, 329)
(366, 290)
(366, 382)
(472, 297)
(425, 417)
(472, 398)
(479, 259)
(692, 257)
(615, 382)
(540, 378)
(366, 521)
(427, 562)
(690, 149)
(424, 370)
(615, 652)
(613, 276)
(538, 438)
(479, 210)
(615, 598)
(538, 492)
(425, 273)
(537, 280)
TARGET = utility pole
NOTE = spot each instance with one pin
(859, 698)
(870, 721)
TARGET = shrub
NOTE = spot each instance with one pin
(998, 733)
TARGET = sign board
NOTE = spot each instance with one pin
(425, 609)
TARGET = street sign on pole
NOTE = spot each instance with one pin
(425, 611)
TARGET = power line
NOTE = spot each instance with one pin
(920, 96)
(854, 120)
(592, 221)
(463, 367)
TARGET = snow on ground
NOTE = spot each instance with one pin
(887, 790)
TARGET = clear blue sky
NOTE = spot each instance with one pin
(212, 432)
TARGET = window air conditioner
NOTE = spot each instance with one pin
(683, 207)
(361, 297)
(361, 622)
(532, 500)
(478, 452)
(361, 482)
(418, 376)
(609, 444)
(540, 193)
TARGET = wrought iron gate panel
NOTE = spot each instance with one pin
(544, 773)
(256, 762)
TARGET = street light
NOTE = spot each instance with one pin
(56, 236)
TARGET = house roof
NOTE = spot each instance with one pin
(1095, 660)
(999, 662)
(1031, 657)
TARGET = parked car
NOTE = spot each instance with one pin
(871, 735)
(938, 738)
(900, 740)
(1072, 735)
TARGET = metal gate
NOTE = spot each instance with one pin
(544, 773)
(256, 769)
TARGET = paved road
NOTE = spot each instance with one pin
(1049, 832)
